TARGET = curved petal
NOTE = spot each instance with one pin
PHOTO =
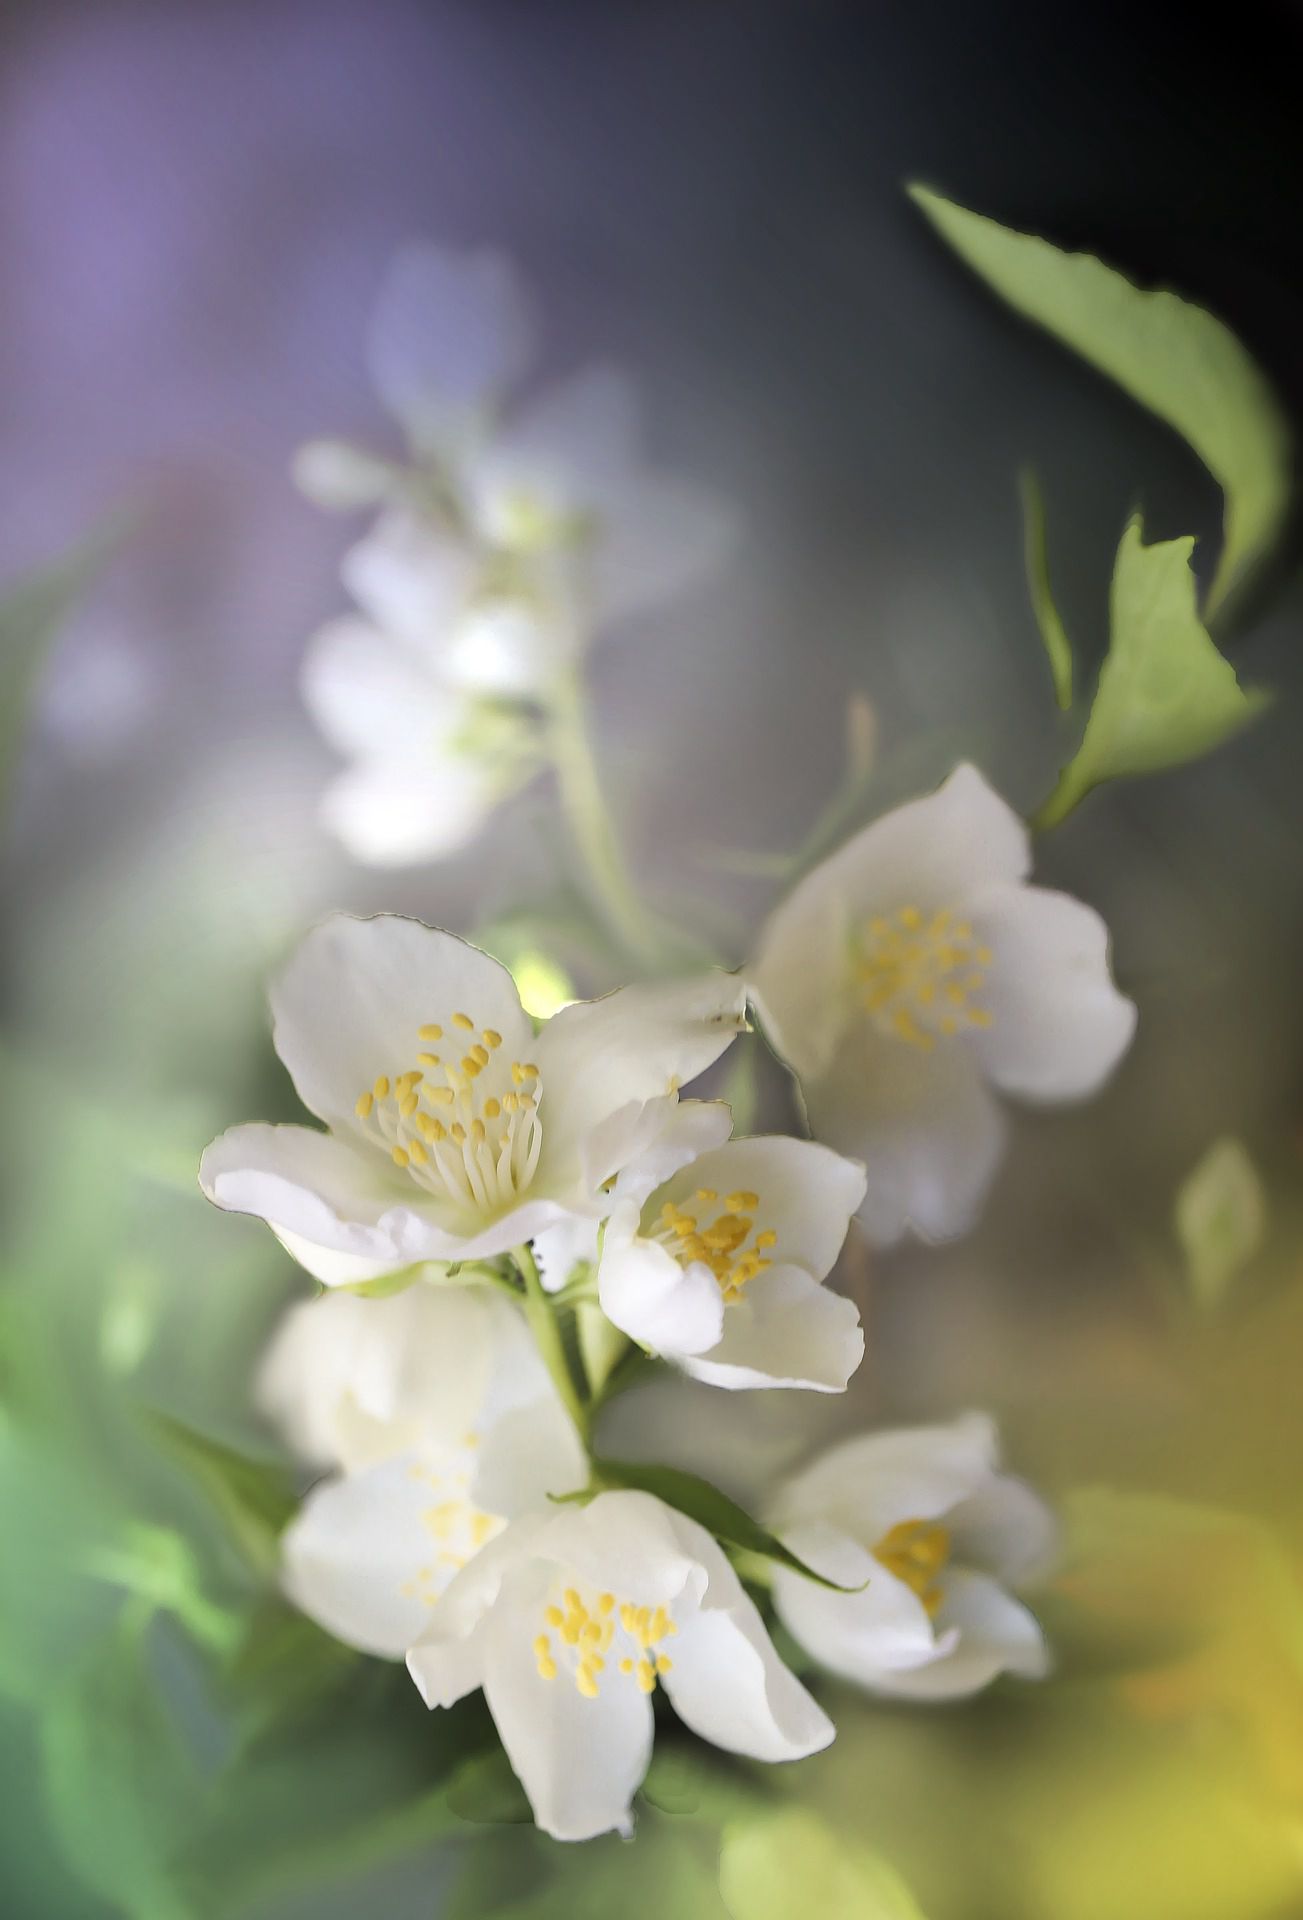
(447, 1662)
(643, 1290)
(580, 1760)
(883, 1629)
(1059, 1026)
(371, 698)
(560, 1249)
(649, 1140)
(564, 456)
(511, 646)
(1004, 1527)
(404, 814)
(725, 1680)
(806, 1194)
(993, 1634)
(528, 1456)
(930, 1134)
(449, 334)
(785, 1331)
(866, 1484)
(929, 853)
(360, 1558)
(413, 579)
(599, 1056)
(350, 1005)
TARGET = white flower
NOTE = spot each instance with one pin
(720, 1268)
(569, 1620)
(924, 1516)
(914, 967)
(454, 1133)
(437, 1406)
(428, 764)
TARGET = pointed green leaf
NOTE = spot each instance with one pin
(255, 1499)
(1165, 693)
(731, 1524)
(1168, 354)
(1036, 560)
(1221, 1220)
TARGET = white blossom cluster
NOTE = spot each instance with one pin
(508, 1218)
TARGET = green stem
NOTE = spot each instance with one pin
(589, 821)
(547, 1338)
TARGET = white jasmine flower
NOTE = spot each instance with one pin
(720, 1269)
(925, 1517)
(440, 1411)
(428, 764)
(914, 970)
(570, 1620)
(453, 1133)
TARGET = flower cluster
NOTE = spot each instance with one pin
(508, 536)
(512, 1219)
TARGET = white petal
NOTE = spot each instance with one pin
(929, 853)
(350, 1004)
(449, 334)
(318, 1188)
(994, 1635)
(340, 477)
(647, 1141)
(1005, 1528)
(627, 1541)
(882, 1629)
(372, 698)
(579, 1760)
(807, 1194)
(726, 1681)
(509, 647)
(598, 1056)
(447, 1662)
(354, 1554)
(929, 1133)
(403, 814)
(785, 1331)
(1058, 1024)
(867, 1484)
(562, 1248)
(643, 1290)
(413, 579)
(567, 453)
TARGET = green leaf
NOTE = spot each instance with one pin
(1168, 354)
(794, 1862)
(255, 1499)
(1036, 560)
(1221, 1220)
(731, 1525)
(31, 616)
(122, 1791)
(1165, 693)
(485, 1791)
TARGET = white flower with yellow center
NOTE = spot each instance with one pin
(453, 1132)
(720, 1269)
(570, 1621)
(445, 1424)
(925, 1518)
(914, 970)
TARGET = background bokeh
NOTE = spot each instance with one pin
(196, 205)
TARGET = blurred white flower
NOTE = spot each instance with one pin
(914, 967)
(428, 765)
(570, 1620)
(925, 1517)
(439, 1410)
(454, 1134)
(720, 1268)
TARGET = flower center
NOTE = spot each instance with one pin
(583, 1637)
(916, 1551)
(456, 1526)
(917, 975)
(721, 1243)
(464, 1127)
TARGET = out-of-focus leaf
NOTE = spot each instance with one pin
(1221, 1218)
(55, 1516)
(255, 1498)
(1168, 354)
(122, 1790)
(157, 1566)
(793, 1862)
(31, 615)
(485, 1791)
(286, 1661)
(1053, 634)
(731, 1524)
(1165, 693)
(689, 1779)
